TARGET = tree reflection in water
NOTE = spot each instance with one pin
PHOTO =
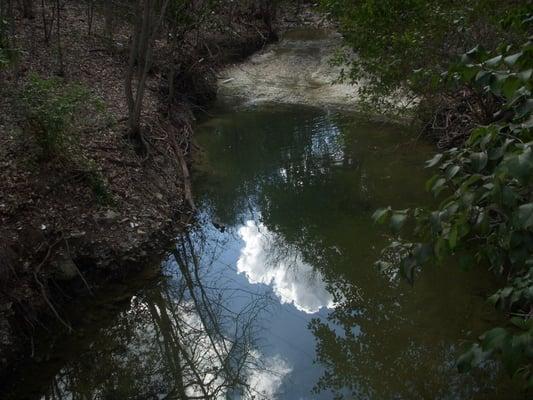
(176, 340)
(299, 185)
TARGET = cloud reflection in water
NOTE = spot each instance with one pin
(262, 260)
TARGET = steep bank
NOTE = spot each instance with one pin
(69, 224)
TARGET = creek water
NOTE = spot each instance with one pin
(273, 292)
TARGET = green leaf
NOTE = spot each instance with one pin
(528, 124)
(470, 358)
(380, 215)
(423, 253)
(474, 51)
(520, 323)
(508, 197)
(494, 339)
(524, 109)
(525, 75)
(434, 161)
(512, 355)
(431, 181)
(479, 160)
(468, 73)
(494, 299)
(510, 87)
(520, 165)
(525, 216)
(407, 269)
(452, 238)
(493, 62)
(439, 248)
(452, 171)
(397, 221)
(497, 152)
(506, 291)
(471, 180)
(512, 59)
(438, 186)
(483, 78)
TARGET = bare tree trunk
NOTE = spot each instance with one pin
(48, 25)
(11, 21)
(268, 10)
(130, 72)
(108, 21)
(175, 38)
(145, 32)
(61, 69)
(45, 23)
(90, 16)
(27, 9)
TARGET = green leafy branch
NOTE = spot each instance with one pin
(485, 215)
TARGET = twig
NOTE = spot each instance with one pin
(47, 300)
(78, 270)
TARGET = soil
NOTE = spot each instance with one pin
(69, 224)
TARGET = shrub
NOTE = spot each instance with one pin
(486, 213)
(49, 107)
(407, 44)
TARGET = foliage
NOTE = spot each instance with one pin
(486, 211)
(50, 106)
(407, 44)
(51, 110)
(92, 176)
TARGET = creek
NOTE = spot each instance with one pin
(273, 292)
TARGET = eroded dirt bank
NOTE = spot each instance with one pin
(68, 225)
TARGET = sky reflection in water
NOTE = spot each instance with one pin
(293, 280)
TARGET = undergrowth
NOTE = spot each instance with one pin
(53, 113)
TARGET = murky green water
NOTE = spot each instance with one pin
(272, 294)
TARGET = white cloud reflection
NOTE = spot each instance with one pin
(293, 280)
(263, 380)
(266, 382)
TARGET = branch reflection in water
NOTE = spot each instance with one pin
(177, 340)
